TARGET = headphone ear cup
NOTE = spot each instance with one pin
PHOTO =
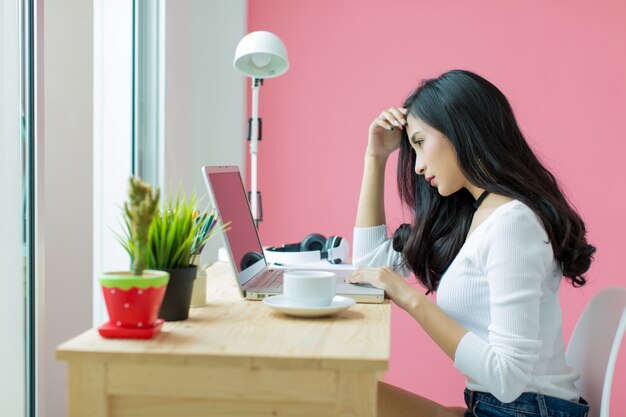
(313, 242)
(332, 242)
(250, 259)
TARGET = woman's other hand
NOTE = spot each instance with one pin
(385, 132)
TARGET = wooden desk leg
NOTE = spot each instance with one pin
(87, 391)
(357, 394)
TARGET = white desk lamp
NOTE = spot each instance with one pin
(259, 55)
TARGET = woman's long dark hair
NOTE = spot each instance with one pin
(493, 155)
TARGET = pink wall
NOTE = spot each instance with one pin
(562, 64)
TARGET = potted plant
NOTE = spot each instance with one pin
(133, 298)
(177, 237)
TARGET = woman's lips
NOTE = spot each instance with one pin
(432, 182)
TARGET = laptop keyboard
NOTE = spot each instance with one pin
(276, 279)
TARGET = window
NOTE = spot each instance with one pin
(17, 307)
(113, 117)
(161, 113)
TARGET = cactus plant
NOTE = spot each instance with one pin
(139, 214)
(134, 298)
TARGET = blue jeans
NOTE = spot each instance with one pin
(529, 404)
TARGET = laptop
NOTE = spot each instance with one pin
(255, 277)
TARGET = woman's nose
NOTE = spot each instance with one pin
(419, 167)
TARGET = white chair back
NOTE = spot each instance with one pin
(594, 346)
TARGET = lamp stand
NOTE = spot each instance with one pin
(255, 196)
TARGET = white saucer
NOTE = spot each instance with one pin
(286, 306)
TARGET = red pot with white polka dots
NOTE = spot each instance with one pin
(133, 302)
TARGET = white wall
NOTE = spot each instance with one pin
(205, 96)
(68, 131)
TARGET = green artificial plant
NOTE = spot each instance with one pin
(175, 236)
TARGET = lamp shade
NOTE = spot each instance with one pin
(261, 55)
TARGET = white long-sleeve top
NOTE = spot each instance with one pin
(503, 288)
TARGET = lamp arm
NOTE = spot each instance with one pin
(254, 149)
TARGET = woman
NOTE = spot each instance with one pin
(492, 234)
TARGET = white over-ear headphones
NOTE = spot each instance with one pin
(313, 248)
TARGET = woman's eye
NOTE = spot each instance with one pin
(418, 142)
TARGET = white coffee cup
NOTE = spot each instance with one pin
(309, 288)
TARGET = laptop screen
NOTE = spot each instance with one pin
(228, 196)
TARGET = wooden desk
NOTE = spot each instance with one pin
(234, 358)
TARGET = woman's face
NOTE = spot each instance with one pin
(436, 158)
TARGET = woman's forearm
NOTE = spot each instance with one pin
(443, 329)
(371, 209)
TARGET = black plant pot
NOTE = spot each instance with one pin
(178, 294)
